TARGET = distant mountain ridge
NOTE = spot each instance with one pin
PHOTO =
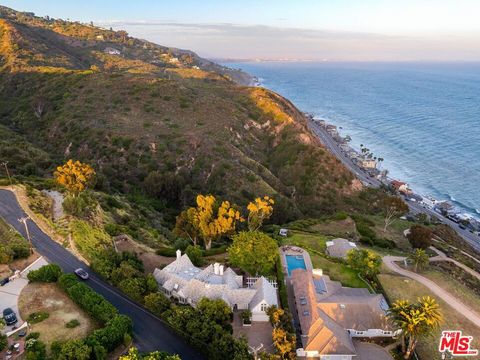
(154, 120)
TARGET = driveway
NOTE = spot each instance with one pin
(10, 292)
(452, 301)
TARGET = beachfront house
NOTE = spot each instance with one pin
(401, 187)
(330, 316)
(367, 164)
(339, 248)
(189, 284)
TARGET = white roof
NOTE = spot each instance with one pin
(193, 283)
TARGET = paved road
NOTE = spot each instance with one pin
(332, 146)
(452, 301)
(150, 333)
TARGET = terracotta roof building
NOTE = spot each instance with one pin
(330, 315)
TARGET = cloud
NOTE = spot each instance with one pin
(258, 41)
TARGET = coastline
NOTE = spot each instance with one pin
(416, 202)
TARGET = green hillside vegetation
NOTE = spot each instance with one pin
(12, 245)
(159, 122)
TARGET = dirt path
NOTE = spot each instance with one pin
(452, 301)
(443, 257)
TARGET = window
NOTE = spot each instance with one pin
(263, 307)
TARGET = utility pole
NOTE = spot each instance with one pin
(5, 163)
(24, 221)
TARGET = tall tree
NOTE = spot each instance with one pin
(254, 252)
(419, 258)
(393, 208)
(415, 320)
(74, 176)
(209, 220)
(258, 211)
(420, 236)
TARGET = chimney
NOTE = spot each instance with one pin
(215, 268)
(220, 270)
(179, 254)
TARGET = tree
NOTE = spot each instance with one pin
(195, 254)
(366, 262)
(74, 350)
(157, 303)
(416, 320)
(284, 340)
(258, 211)
(186, 227)
(3, 341)
(133, 354)
(74, 176)
(393, 207)
(209, 220)
(419, 258)
(420, 236)
(216, 311)
(254, 252)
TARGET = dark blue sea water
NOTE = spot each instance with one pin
(424, 119)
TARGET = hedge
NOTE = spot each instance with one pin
(112, 334)
(47, 273)
(282, 289)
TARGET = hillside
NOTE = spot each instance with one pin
(153, 121)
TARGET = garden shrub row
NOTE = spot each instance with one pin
(282, 289)
(116, 328)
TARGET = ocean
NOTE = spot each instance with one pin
(422, 118)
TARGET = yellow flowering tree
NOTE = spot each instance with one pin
(209, 220)
(366, 262)
(74, 176)
(258, 211)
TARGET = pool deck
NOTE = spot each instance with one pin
(295, 251)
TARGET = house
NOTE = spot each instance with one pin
(99, 37)
(331, 315)
(339, 248)
(111, 51)
(401, 187)
(367, 163)
(189, 284)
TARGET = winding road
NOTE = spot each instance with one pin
(452, 301)
(150, 332)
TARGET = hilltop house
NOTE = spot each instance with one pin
(111, 51)
(331, 315)
(339, 248)
(189, 284)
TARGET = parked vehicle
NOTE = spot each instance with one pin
(82, 274)
(9, 316)
(4, 281)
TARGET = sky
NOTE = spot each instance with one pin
(348, 30)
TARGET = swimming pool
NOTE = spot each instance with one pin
(295, 262)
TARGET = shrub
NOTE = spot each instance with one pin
(215, 251)
(33, 335)
(113, 333)
(3, 341)
(35, 349)
(92, 302)
(36, 317)
(157, 303)
(72, 324)
(47, 273)
(66, 281)
(282, 290)
(195, 254)
(247, 316)
(167, 252)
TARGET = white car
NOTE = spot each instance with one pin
(82, 274)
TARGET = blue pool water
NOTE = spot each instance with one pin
(295, 262)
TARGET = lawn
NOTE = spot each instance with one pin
(394, 232)
(48, 298)
(316, 244)
(399, 287)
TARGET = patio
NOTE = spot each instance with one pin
(258, 334)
